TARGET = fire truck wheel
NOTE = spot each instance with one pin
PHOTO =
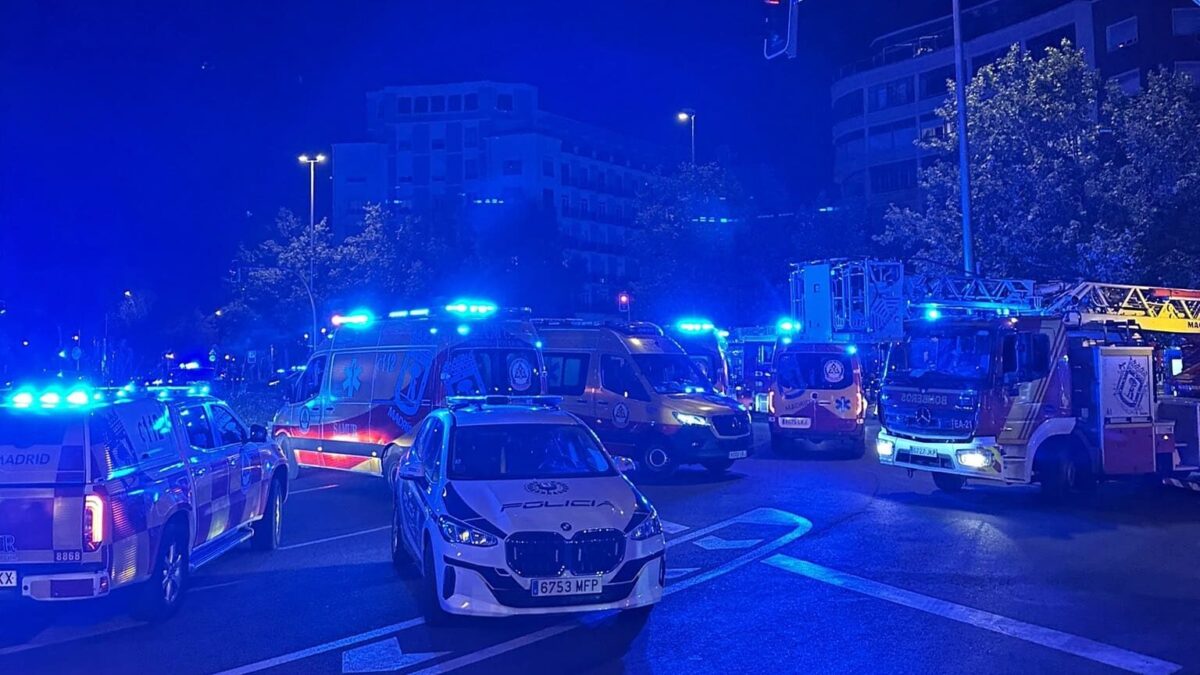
(1061, 473)
(948, 482)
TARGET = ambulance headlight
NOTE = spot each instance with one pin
(885, 448)
(974, 459)
(455, 532)
(650, 527)
(690, 420)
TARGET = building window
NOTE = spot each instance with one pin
(987, 59)
(404, 105)
(471, 137)
(504, 102)
(893, 177)
(471, 101)
(848, 105)
(438, 143)
(471, 169)
(548, 168)
(454, 103)
(932, 83)
(1130, 81)
(1039, 44)
(566, 205)
(583, 208)
(891, 94)
(897, 135)
(1122, 34)
(512, 167)
(437, 104)
(1185, 21)
(421, 105)
(548, 199)
(564, 173)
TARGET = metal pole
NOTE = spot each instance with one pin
(964, 169)
(693, 139)
(312, 188)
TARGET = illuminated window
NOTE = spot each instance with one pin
(1122, 34)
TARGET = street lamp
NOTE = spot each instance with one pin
(688, 116)
(312, 163)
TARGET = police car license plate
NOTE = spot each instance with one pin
(553, 587)
(795, 422)
(921, 451)
(737, 454)
(8, 579)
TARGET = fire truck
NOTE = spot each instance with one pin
(1014, 382)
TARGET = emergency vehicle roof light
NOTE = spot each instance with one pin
(787, 325)
(694, 325)
(357, 318)
(932, 314)
(51, 398)
(472, 308)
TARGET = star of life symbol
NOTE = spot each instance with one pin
(842, 404)
(353, 378)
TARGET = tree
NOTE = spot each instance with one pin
(683, 248)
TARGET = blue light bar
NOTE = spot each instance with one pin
(463, 329)
(852, 350)
(472, 308)
(357, 318)
(933, 314)
(78, 397)
(787, 325)
(692, 325)
(22, 399)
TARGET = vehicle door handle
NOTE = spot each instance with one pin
(601, 402)
(329, 409)
(581, 400)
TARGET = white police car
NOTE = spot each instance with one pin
(511, 506)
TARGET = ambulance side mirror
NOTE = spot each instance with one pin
(624, 464)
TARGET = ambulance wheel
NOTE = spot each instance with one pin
(160, 596)
(718, 466)
(268, 530)
(782, 445)
(948, 482)
(431, 607)
(856, 448)
(657, 461)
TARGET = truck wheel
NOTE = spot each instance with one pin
(657, 461)
(268, 530)
(948, 482)
(718, 466)
(1059, 475)
(160, 596)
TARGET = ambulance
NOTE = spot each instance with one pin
(816, 397)
(362, 394)
(705, 346)
(102, 489)
(642, 395)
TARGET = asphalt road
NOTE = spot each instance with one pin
(788, 564)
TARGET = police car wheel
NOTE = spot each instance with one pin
(430, 606)
(719, 466)
(401, 559)
(290, 455)
(268, 530)
(657, 461)
(160, 596)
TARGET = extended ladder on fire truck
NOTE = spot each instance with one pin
(864, 300)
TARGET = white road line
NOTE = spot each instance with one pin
(673, 528)
(715, 543)
(311, 489)
(774, 516)
(326, 540)
(1039, 635)
(323, 648)
(195, 589)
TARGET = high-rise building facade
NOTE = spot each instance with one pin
(488, 145)
(883, 104)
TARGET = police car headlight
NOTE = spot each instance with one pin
(455, 532)
(650, 527)
(690, 420)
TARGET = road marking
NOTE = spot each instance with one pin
(1039, 635)
(714, 543)
(339, 537)
(763, 516)
(312, 489)
(672, 528)
(676, 572)
(209, 587)
(323, 648)
(382, 657)
(113, 626)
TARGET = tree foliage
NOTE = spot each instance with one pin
(1067, 180)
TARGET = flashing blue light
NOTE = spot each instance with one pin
(852, 350)
(691, 325)
(463, 329)
(723, 333)
(398, 314)
(472, 308)
(50, 399)
(62, 354)
(786, 325)
(77, 397)
(433, 331)
(190, 365)
(422, 311)
(22, 399)
(537, 345)
(787, 340)
(933, 314)
(356, 318)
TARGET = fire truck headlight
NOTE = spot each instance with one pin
(974, 459)
(885, 449)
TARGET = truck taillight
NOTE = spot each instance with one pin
(93, 522)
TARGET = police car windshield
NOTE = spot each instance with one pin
(672, 373)
(525, 451)
(475, 372)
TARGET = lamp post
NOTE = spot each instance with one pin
(688, 116)
(964, 168)
(312, 163)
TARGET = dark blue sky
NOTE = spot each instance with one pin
(142, 141)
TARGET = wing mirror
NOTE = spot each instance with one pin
(410, 470)
(258, 433)
(624, 464)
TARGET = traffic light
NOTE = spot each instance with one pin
(623, 300)
(780, 21)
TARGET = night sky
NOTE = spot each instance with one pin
(140, 143)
